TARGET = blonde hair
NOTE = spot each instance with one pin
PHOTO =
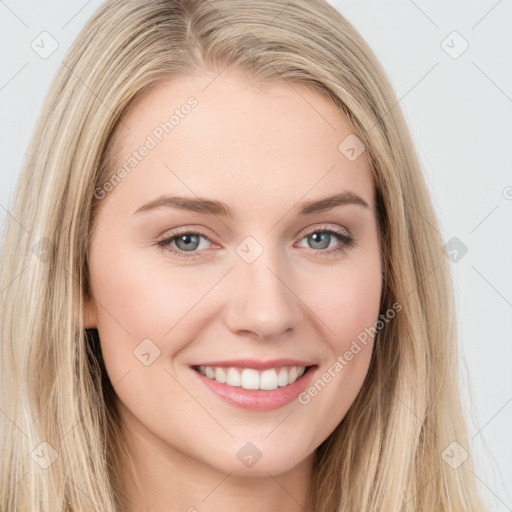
(386, 454)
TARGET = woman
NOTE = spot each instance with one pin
(189, 341)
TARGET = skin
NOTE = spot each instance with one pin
(261, 150)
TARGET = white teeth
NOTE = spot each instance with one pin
(268, 379)
(233, 378)
(292, 376)
(220, 375)
(282, 379)
(249, 378)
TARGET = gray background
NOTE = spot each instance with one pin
(458, 105)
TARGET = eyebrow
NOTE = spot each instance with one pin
(213, 207)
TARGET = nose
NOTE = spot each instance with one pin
(261, 299)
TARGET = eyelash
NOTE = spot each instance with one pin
(347, 242)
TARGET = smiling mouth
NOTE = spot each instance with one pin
(250, 378)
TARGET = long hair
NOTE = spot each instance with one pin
(60, 428)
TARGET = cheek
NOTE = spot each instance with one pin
(139, 311)
(347, 300)
(140, 298)
(133, 305)
(350, 312)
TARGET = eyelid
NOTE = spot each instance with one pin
(305, 231)
(321, 227)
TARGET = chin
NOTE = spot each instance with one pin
(260, 460)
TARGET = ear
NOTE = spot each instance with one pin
(90, 313)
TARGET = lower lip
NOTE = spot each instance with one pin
(259, 399)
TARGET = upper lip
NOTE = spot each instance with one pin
(256, 363)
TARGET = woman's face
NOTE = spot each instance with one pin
(246, 267)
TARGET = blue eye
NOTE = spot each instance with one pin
(187, 244)
(318, 237)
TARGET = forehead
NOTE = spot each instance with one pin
(219, 135)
